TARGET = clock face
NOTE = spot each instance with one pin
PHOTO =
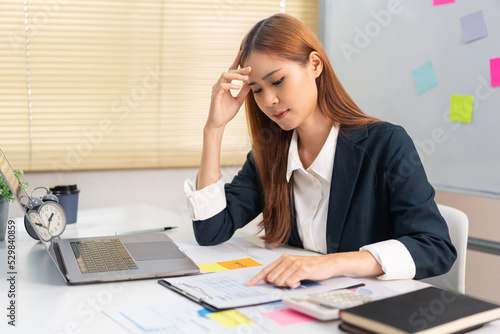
(53, 218)
(42, 230)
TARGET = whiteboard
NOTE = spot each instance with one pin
(401, 36)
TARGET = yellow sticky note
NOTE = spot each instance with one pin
(461, 108)
(238, 264)
(211, 267)
(230, 318)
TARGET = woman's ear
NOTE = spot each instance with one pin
(315, 63)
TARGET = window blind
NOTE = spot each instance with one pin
(102, 84)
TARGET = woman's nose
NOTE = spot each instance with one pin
(271, 99)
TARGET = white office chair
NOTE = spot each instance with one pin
(458, 225)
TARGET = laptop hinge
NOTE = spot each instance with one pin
(59, 258)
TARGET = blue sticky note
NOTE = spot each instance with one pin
(424, 78)
(473, 26)
(203, 313)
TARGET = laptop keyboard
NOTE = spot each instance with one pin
(95, 256)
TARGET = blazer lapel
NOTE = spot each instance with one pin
(346, 168)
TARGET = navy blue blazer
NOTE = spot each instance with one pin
(379, 191)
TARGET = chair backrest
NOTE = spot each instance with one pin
(458, 225)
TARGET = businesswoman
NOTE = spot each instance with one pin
(326, 176)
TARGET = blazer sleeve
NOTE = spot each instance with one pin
(418, 223)
(244, 202)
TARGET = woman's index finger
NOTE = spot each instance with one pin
(263, 273)
(236, 62)
(260, 276)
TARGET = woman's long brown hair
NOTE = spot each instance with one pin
(284, 36)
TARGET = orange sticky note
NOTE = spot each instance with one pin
(238, 264)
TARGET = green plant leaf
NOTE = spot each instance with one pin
(5, 192)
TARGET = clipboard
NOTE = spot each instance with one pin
(226, 290)
(203, 301)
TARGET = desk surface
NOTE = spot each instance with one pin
(45, 304)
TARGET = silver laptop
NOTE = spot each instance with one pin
(111, 258)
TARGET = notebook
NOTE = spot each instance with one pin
(108, 258)
(426, 311)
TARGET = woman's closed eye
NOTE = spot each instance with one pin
(275, 83)
(278, 82)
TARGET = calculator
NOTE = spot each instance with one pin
(326, 305)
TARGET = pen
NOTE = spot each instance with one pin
(161, 229)
(353, 286)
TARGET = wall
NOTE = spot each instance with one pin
(163, 188)
(159, 187)
(483, 270)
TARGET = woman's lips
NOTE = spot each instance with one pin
(281, 115)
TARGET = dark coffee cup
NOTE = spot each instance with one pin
(68, 198)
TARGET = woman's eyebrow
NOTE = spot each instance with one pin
(265, 76)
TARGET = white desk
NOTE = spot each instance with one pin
(45, 304)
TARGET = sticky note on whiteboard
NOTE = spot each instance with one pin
(461, 108)
(424, 78)
(495, 72)
(443, 2)
(473, 26)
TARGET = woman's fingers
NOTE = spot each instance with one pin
(262, 275)
(290, 270)
(224, 106)
(239, 74)
(291, 276)
(243, 92)
(282, 272)
(229, 85)
(236, 61)
(230, 76)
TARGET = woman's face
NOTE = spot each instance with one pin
(284, 90)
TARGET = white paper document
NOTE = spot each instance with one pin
(167, 317)
(227, 289)
(235, 248)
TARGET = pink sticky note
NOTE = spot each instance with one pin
(443, 2)
(287, 317)
(495, 72)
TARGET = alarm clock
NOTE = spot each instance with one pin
(46, 214)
